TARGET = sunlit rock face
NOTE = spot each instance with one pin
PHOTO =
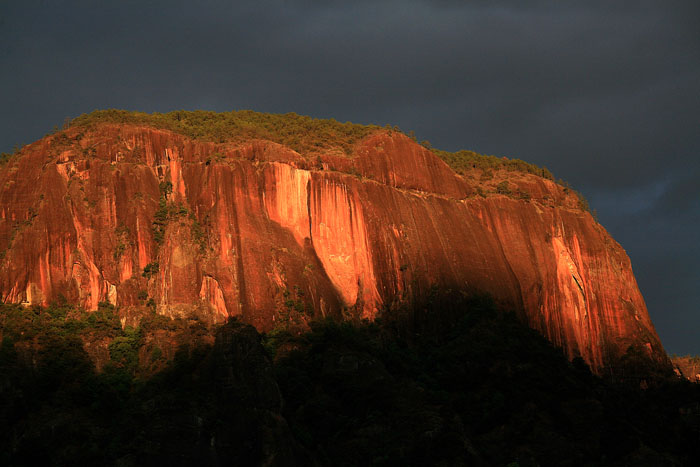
(257, 231)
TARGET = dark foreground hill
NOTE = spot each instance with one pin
(456, 383)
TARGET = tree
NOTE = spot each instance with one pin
(503, 188)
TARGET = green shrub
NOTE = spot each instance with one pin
(104, 319)
(165, 188)
(124, 349)
(503, 188)
(160, 221)
(151, 269)
(156, 354)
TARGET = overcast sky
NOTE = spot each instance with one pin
(605, 94)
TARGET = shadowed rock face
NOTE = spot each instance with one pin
(257, 231)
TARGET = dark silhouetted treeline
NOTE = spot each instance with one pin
(455, 383)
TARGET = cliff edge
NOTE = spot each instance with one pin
(143, 216)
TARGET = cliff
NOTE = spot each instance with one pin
(137, 216)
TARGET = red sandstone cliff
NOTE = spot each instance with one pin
(258, 231)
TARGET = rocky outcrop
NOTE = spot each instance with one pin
(126, 213)
(687, 367)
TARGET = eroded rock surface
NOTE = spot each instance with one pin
(257, 231)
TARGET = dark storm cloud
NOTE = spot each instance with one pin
(603, 93)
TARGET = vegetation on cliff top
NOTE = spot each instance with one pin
(463, 160)
(301, 133)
